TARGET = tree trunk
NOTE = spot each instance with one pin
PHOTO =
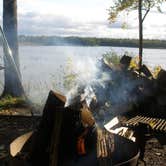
(140, 33)
(13, 84)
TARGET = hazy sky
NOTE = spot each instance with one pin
(83, 18)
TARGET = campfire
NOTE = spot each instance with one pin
(74, 130)
(63, 139)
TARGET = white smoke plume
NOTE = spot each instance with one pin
(112, 89)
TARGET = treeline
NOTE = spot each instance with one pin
(88, 41)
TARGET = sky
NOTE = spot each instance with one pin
(83, 18)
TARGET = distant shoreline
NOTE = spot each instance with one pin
(35, 45)
(88, 41)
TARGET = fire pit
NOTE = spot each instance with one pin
(54, 142)
(126, 154)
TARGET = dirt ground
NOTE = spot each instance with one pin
(155, 153)
(13, 126)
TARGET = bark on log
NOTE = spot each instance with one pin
(48, 131)
(55, 139)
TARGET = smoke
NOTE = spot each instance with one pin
(107, 91)
(84, 74)
(88, 95)
(86, 71)
(87, 75)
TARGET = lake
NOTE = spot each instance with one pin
(43, 67)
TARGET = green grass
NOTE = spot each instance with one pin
(112, 57)
(10, 102)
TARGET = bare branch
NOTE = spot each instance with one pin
(147, 11)
(145, 15)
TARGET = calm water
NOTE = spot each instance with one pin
(43, 67)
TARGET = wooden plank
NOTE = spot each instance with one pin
(154, 123)
(138, 120)
(131, 120)
(151, 120)
(157, 123)
(158, 127)
(161, 125)
(148, 119)
(144, 120)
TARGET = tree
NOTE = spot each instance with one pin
(140, 5)
(13, 84)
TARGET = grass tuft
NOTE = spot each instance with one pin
(10, 102)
